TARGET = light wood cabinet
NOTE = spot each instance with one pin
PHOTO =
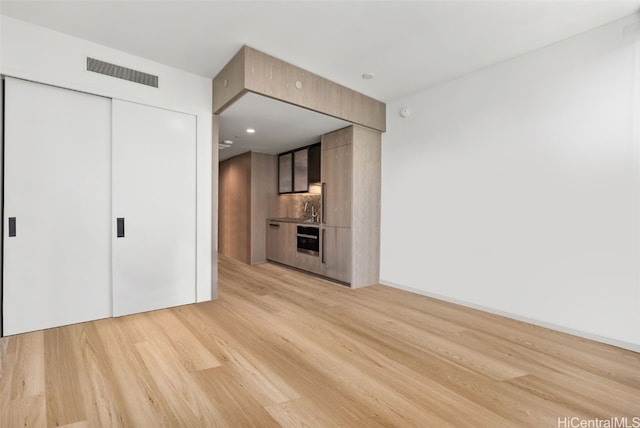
(336, 161)
(308, 262)
(350, 212)
(301, 170)
(336, 253)
(351, 205)
(285, 173)
(282, 247)
(341, 137)
(281, 242)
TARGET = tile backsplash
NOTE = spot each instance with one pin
(293, 205)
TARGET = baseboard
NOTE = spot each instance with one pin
(602, 339)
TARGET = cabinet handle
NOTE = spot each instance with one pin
(324, 234)
(323, 191)
(302, 235)
(12, 226)
(120, 227)
(274, 225)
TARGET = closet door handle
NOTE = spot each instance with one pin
(12, 226)
(120, 227)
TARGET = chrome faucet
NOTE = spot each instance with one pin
(314, 211)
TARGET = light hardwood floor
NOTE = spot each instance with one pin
(279, 348)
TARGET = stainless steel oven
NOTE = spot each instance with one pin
(308, 238)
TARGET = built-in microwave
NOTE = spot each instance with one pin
(308, 238)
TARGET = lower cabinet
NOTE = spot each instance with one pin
(308, 262)
(336, 253)
(334, 260)
(281, 242)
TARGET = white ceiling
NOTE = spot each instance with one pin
(279, 126)
(409, 45)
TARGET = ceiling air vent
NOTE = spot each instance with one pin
(120, 72)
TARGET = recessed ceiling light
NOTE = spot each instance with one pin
(225, 144)
(250, 130)
(368, 76)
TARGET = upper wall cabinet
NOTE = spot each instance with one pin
(314, 164)
(298, 169)
(285, 173)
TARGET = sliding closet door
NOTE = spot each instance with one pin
(57, 206)
(154, 208)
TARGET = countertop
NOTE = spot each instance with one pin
(293, 220)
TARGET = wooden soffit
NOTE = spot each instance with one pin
(253, 71)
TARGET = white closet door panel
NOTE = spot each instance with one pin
(57, 269)
(154, 190)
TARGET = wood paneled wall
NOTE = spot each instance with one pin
(264, 194)
(248, 196)
(254, 71)
(234, 227)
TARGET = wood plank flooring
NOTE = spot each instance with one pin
(282, 349)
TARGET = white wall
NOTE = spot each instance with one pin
(516, 188)
(35, 53)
